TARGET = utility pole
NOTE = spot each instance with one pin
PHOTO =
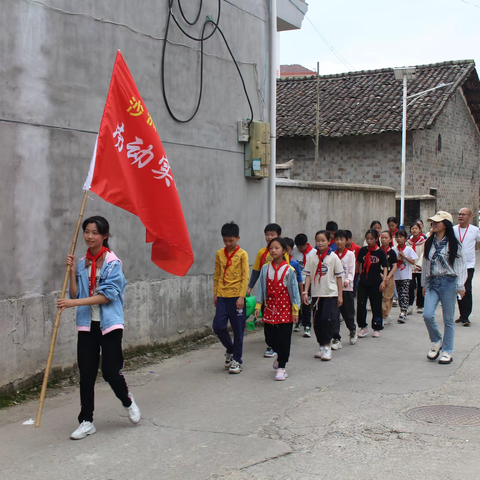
(317, 128)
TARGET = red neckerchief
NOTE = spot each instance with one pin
(343, 254)
(386, 250)
(318, 272)
(414, 242)
(401, 249)
(229, 260)
(276, 281)
(355, 249)
(394, 232)
(263, 257)
(93, 272)
(306, 252)
(464, 235)
(368, 260)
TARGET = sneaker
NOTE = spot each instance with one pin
(459, 320)
(134, 414)
(336, 344)
(319, 353)
(327, 353)
(419, 310)
(84, 429)
(281, 374)
(466, 323)
(353, 337)
(395, 303)
(434, 351)
(269, 353)
(235, 367)
(387, 320)
(445, 358)
(401, 318)
(363, 332)
(228, 360)
(275, 364)
(376, 334)
(297, 328)
(306, 333)
(410, 310)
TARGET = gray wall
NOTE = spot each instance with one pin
(305, 207)
(55, 72)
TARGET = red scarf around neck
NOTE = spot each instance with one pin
(414, 242)
(93, 272)
(367, 263)
(321, 257)
(400, 249)
(306, 252)
(343, 254)
(229, 260)
(386, 250)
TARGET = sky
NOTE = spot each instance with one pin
(372, 34)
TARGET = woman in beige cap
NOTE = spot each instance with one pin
(443, 277)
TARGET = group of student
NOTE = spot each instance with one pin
(298, 283)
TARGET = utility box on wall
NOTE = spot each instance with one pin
(257, 151)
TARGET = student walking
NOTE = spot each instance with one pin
(97, 288)
(387, 294)
(443, 275)
(417, 243)
(278, 293)
(324, 273)
(406, 257)
(373, 265)
(229, 289)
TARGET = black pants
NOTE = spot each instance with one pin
(279, 337)
(416, 284)
(325, 313)
(348, 313)
(88, 357)
(466, 303)
(373, 293)
(306, 314)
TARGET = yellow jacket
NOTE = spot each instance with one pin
(233, 281)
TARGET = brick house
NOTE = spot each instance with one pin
(360, 132)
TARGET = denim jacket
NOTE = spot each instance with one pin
(111, 284)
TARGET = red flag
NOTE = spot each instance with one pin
(129, 169)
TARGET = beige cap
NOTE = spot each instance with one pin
(441, 216)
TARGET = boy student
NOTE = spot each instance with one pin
(347, 309)
(331, 228)
(229, 289)
(271, 231)
(302, 251)
(290, 246)
(353, 247)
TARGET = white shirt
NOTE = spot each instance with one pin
(326, 285)
(348, 263)
(298, 256)
(404, 271)
(468, 237)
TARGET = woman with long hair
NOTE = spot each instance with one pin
(443, 277)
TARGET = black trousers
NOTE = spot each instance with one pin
(88, 357)
(306, 314)
(416, 284)
(325, 314)
(373, 293)
(348, 313)
(279, 337)
(466, 303)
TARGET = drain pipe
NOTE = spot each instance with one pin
(273, 109)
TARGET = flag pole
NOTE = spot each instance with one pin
(57, 319)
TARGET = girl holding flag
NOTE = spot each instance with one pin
(97, 287)
(373, 266)
(324, 272)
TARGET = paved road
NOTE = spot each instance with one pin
(343, 419)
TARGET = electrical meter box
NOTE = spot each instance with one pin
(257, 151)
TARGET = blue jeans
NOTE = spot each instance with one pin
(441, 289)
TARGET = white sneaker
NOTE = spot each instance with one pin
(327, 353)
(134, 414)
(306, 333)
(228, 360)
(445, 358)
(297, 328)
(434, 351)
(235, 367)
(410, 310)
(319, 354)
(353, 337)
(419, 310)
(336, 344)
(84, 429)
(387, 320)
(281, 375)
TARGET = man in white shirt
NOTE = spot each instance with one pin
(468, 235)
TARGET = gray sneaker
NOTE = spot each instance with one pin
(235, 367)
(269, 353)
(228, 360)
(353, 337)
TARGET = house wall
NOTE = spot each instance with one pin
(55, 74)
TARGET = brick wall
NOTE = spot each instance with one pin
(376, 159)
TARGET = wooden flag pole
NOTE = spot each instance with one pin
(59, 313)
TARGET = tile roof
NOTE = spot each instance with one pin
(295, 70)
(369, 102)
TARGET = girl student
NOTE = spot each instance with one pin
(403, 275)
(373, 266)
(376, 225)
(278, 291)
(324, 272)
(443, 275)
(387, 294)
(417, 242)
(97, 287)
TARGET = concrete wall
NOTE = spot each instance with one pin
(55, 72)
(305, 207)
